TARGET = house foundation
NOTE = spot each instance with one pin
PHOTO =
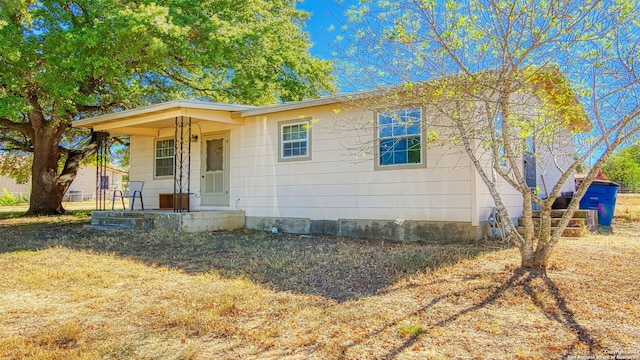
(149, 220)
(404, 230)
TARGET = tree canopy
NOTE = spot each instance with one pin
(62, 60)
(624, 167)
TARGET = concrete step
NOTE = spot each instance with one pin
(131, 221)
(590, 218)
(578, 214)
(107, 227)
(555, 221)
(572, 232)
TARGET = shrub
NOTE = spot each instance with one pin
(6, 199)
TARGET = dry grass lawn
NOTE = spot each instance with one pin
(75, 293)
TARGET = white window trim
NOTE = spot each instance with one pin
(422, 163)
(281, 142)
(155, 152)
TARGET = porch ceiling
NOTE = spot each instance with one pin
(148, 120)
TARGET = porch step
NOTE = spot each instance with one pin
(146, 220)
(106, 227)
(570, 231)
(573, 222)
(579, 225)
(558, 213)
(121, 220)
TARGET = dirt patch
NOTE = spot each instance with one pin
(333, 267)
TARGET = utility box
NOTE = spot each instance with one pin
(601, 195)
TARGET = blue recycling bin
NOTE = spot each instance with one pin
(601, 196)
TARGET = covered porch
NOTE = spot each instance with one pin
(180, 152)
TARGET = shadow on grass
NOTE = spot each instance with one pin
(333, 267)
(526, 279)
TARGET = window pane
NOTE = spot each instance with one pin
(386, 131)
(400, 140)
(164, 158)
(164, 167)
(294, 142)
(215, 150)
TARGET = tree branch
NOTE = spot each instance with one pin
(23, 128)
(21, 145)
(37, 114)
(74, 157)
(98, 108)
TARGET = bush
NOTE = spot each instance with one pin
(9, 200)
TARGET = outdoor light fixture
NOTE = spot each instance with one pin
(194, 138)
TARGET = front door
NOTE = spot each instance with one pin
(214, 183)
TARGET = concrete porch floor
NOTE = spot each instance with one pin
(147, 220)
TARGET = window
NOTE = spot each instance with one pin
(295, 140)
(502, 156)
(104, 182)
(164, 158)
(400, 137)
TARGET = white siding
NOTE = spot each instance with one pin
(554, 161)
(12, 187)
(335, 183)
(84, 184)
(339, 182)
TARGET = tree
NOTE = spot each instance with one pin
(624, 167)
(482, 60)
(63, 60)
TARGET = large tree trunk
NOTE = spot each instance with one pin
(46, 191)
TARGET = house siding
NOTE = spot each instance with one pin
(12, 187)
(335, 184)
(338, 190)
(83, 186)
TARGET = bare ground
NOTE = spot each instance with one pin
(73, 293)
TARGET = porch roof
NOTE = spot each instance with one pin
(148, 119)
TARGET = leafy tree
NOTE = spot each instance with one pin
(624, 167)
(482, 60)
(63, 60)
(16, 166)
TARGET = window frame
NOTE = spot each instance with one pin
(378, 139)
(155, 158)
(503, 162)
(281, 142)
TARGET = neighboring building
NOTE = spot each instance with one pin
(83, 187)
(14, 187)
(300, 167)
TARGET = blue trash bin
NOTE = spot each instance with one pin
(601, 196)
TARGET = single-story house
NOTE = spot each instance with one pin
(83, 187)
(320, 166)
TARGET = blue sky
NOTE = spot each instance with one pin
(324, 14)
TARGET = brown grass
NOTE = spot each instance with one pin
(73, 293)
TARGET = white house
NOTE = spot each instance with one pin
(310, 167)
(14, 187)
(83, 187)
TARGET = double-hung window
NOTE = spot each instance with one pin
(164, 158)
(400, 137)
(295, 140)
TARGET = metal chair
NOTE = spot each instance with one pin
(132, 190)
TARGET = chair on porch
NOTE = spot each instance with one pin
(132, 190)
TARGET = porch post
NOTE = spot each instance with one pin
(102, 161)
(182, 164)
